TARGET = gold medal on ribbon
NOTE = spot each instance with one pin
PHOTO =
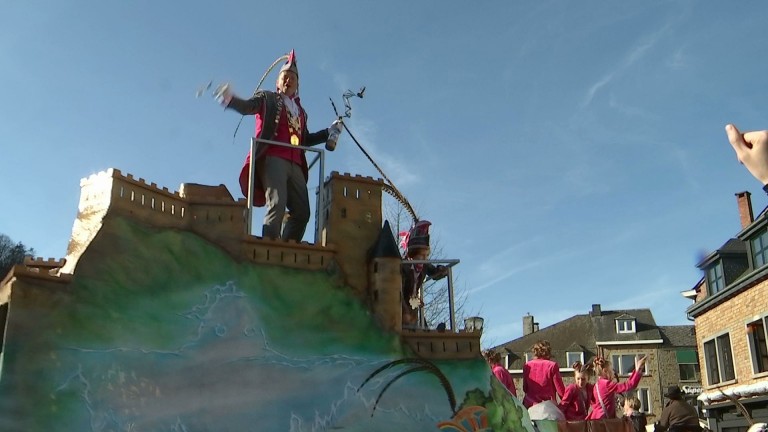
(294, 140)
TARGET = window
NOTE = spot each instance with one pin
(688, 363)
(624, 364)
(715, 278)
(719, 360)
(528, 357)
(689, 372)
(644, 394)
(760, 249)
(573, 357)
(757, 345)
(625, 326)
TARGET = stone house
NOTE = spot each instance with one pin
(731, 316)
(618, 336)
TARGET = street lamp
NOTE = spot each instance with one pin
(473, 324)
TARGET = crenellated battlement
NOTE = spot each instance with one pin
(356, 177)
(302, 255)
(435, 344)
(212, 213)
(148, 201)
(47, 264)
(129, 178)
(37, 268)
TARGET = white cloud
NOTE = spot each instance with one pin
(507, 275)
(677, 60)
(595, 87)
(632, 57)
(526, 262)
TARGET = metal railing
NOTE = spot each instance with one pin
(320, 214)
(449, 263)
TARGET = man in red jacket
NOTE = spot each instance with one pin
(281, 172)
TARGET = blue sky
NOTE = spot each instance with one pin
(569, 153)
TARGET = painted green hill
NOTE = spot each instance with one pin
(160, 330)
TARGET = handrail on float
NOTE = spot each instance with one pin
(319, 218)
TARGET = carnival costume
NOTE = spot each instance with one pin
(541, 382)
(281, 173)
(417, 240)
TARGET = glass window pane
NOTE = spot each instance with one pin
(689, 372)
(627, 364)
(757, 346)
(760, 249)
(712, 280)
(645, 404)
(710, 357)
(573, 357)
(726, 360)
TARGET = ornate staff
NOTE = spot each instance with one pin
(389, 188)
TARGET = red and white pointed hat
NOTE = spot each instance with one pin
(290, 65)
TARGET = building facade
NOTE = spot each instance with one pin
(618, 336)
(731, 316)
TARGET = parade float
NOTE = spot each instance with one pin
(168, 314)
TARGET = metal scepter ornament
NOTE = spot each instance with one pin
(335, 131)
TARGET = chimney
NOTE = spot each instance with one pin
(745, 208)
(527, 324)
(535, 327)
(596, 311)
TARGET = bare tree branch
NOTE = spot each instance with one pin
(11, 254)
(435, 293)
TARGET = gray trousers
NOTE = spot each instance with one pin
(285, 188)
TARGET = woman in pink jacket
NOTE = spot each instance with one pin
(541, 377)
(501, 373)
(577, 399)
(606, 387)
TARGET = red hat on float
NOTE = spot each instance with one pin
(290, 65)
(419, 236)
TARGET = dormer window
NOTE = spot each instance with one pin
(573, 357)
(759, 246)
(625, 325)
(715, 278)
(733, 260)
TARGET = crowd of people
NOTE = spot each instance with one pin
(547, 398)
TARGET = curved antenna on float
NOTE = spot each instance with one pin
(258, 86)
(415, 365)
(390, 187)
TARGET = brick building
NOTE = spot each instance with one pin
(618, 336)
(731, 316)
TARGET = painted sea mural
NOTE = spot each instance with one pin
(160, 329)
